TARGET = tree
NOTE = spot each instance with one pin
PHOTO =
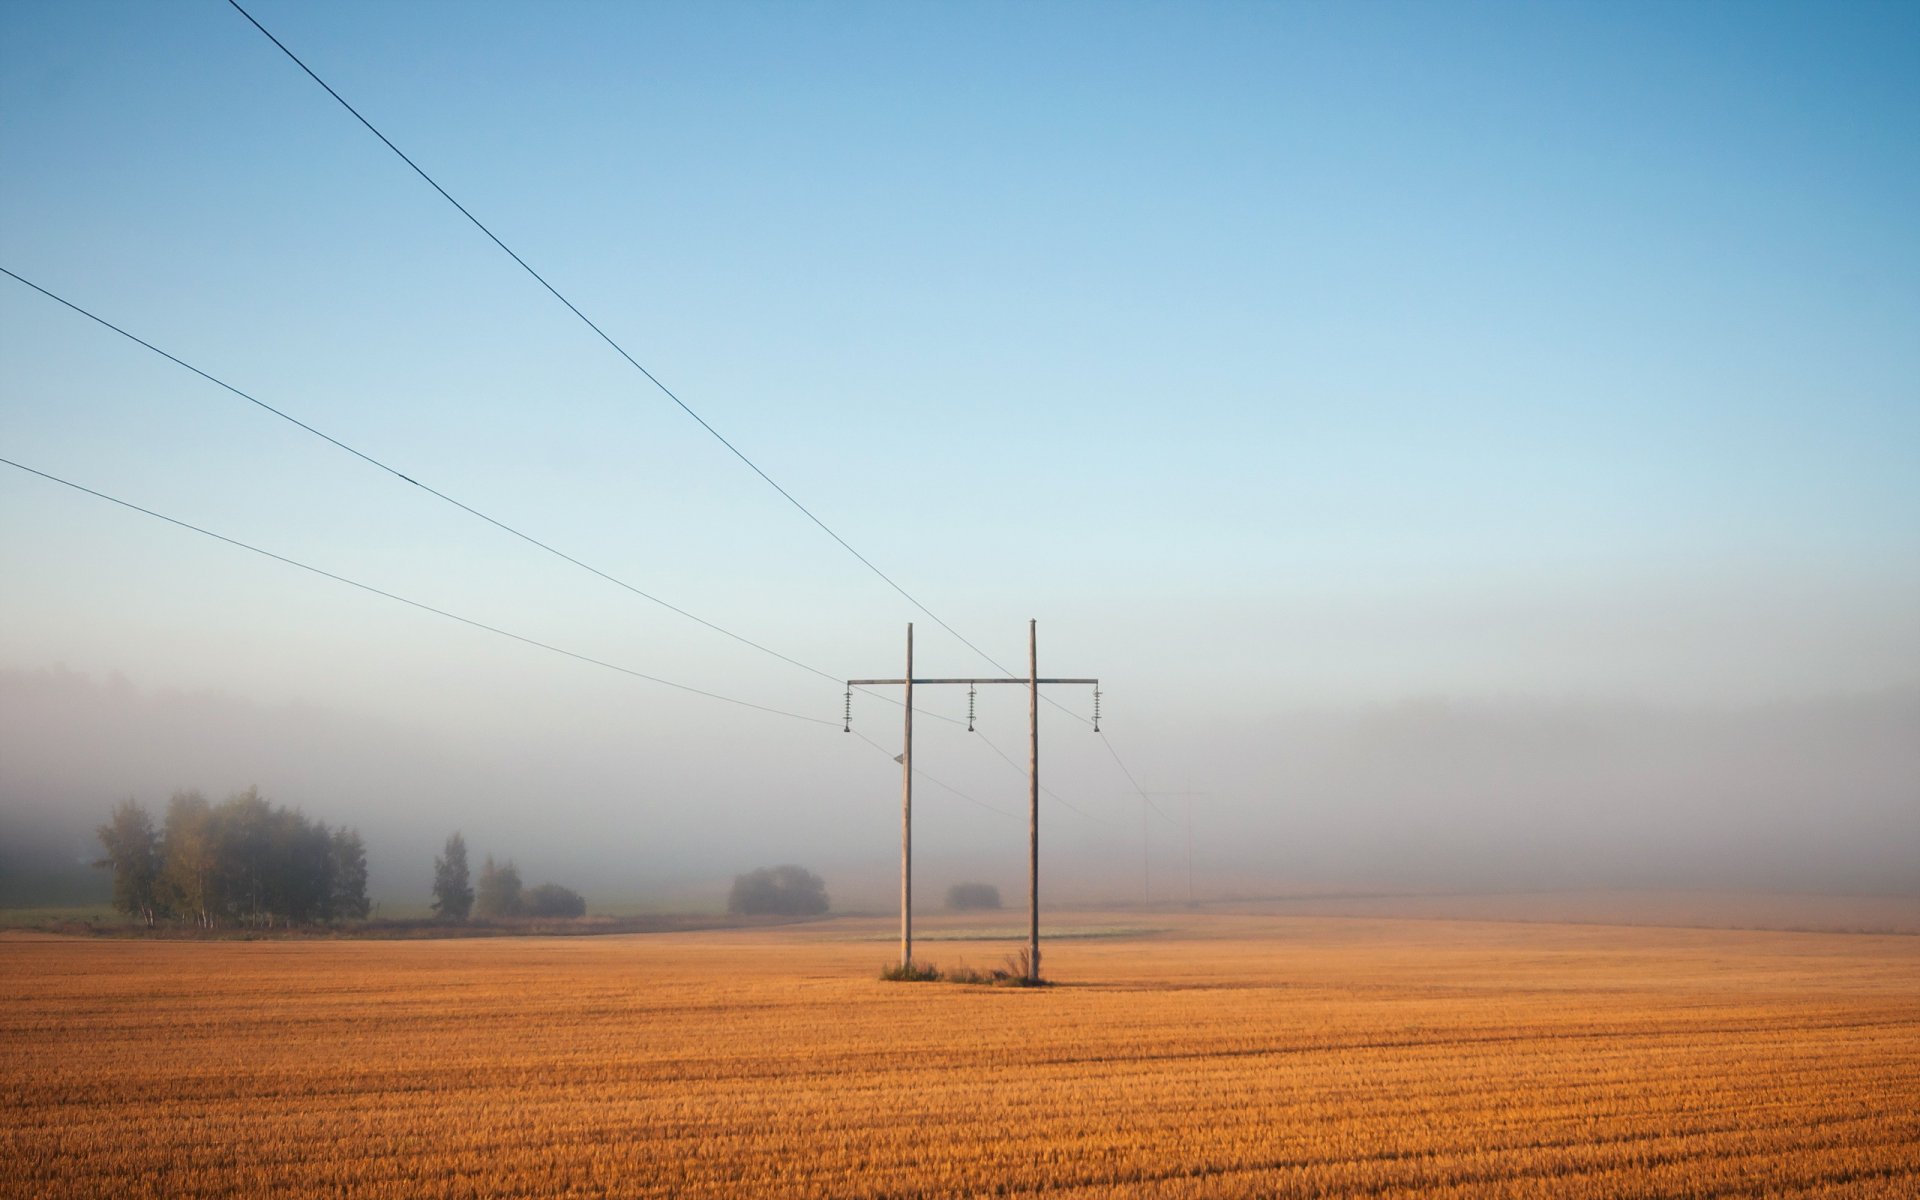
(452, 897)
(962, 896)
(298, 869)
(348, 900)
(190, 878)
(499, 891)
(552, 900)
(787, 890)
(133, 851)
(243, 836)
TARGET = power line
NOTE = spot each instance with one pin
(491, 520)
(1047, 791)
(430, 490)
(988, 742)
(651, 378)
(918, 712)
(1135, 782)
(480, 624)
(937, 783)
(607, 338)
(622, 352)
(439, 612)
(406, 478)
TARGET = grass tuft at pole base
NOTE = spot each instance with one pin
(910, 972)
(1013, 973)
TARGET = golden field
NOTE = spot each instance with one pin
(1248, 1055)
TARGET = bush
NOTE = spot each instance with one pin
(963, 896)
(784, 891)
(911, 973)
(1012, 973)
(552, 900)
(1015, 970)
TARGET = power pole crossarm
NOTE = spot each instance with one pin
(1023, 681)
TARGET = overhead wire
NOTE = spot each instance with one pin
(649, 375)
(481, 625)
(1001, 754)
(404, 477)
(1142, 792)
(522, 535)
(422, 606)
(606, 337)
(1044, 789)
(938, 783)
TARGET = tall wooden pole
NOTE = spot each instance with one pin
(906, 820)
(1033, 804)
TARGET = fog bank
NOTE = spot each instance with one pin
(1423, 794)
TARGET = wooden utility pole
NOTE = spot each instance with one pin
(1032, 683)
(906, 818)
(1033, 804)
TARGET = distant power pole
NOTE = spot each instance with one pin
(1189, 851)
(1032, 683)
(1146, 805)
(1147, 811)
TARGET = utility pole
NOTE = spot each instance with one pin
(1146, 854)
(1033, 803)
(1146, 800)
(1032, 683)
(906, 818)
(1189, 851)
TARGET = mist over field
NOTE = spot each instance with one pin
(1472, 445)
(1426, 794)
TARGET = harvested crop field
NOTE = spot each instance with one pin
(1182, 1056)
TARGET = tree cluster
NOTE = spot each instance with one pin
(497, 892)
(785, 891)
(242, 861)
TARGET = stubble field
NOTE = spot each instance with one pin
(1205, 1056)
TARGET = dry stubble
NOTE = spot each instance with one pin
(1228, 1056)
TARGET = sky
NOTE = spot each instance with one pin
(1342, 385)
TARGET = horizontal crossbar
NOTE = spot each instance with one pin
(919, 682)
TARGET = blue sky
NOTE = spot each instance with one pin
(1274, 356)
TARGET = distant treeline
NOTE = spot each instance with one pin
(242, 861)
